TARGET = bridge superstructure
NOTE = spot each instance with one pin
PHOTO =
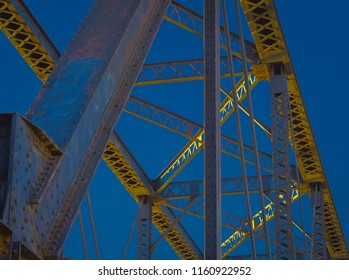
(48, 156)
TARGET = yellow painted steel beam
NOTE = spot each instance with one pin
(136, 187)
(23, 39)
(270, 42)
(240, 236)
(178, 71)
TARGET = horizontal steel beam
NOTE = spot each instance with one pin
(230, 186)
(178, 71)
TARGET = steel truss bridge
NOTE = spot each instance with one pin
(276, 204)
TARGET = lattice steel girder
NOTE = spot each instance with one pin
(193, 22)
(187, 128)
(230, 186)
(176, 196)
(271, 45)
(319, 235)
(238, 237)
(229, 220)
(196, 143)
(178, 71)
(78, 112)
(28, 37)
(281, 163)
(136, 182)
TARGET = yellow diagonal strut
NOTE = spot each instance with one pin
(23, 39)
(227, 107)
(239, 236)
(135, 186)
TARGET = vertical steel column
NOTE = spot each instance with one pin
(212, 161)
(319, 235)
(281, 162)
(144, 228)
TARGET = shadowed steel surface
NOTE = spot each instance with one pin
(319, 235)
(239, 236)
(27, 36)
(281, 159)
(212, 160)
(144, 228)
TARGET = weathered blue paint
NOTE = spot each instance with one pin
(64, 100)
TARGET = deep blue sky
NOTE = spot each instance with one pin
(316, 38)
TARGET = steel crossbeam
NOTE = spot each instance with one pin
(196, 144)
(178, 71)
(239, 236)
(230, 186)
(187, 128)
(230, 220)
